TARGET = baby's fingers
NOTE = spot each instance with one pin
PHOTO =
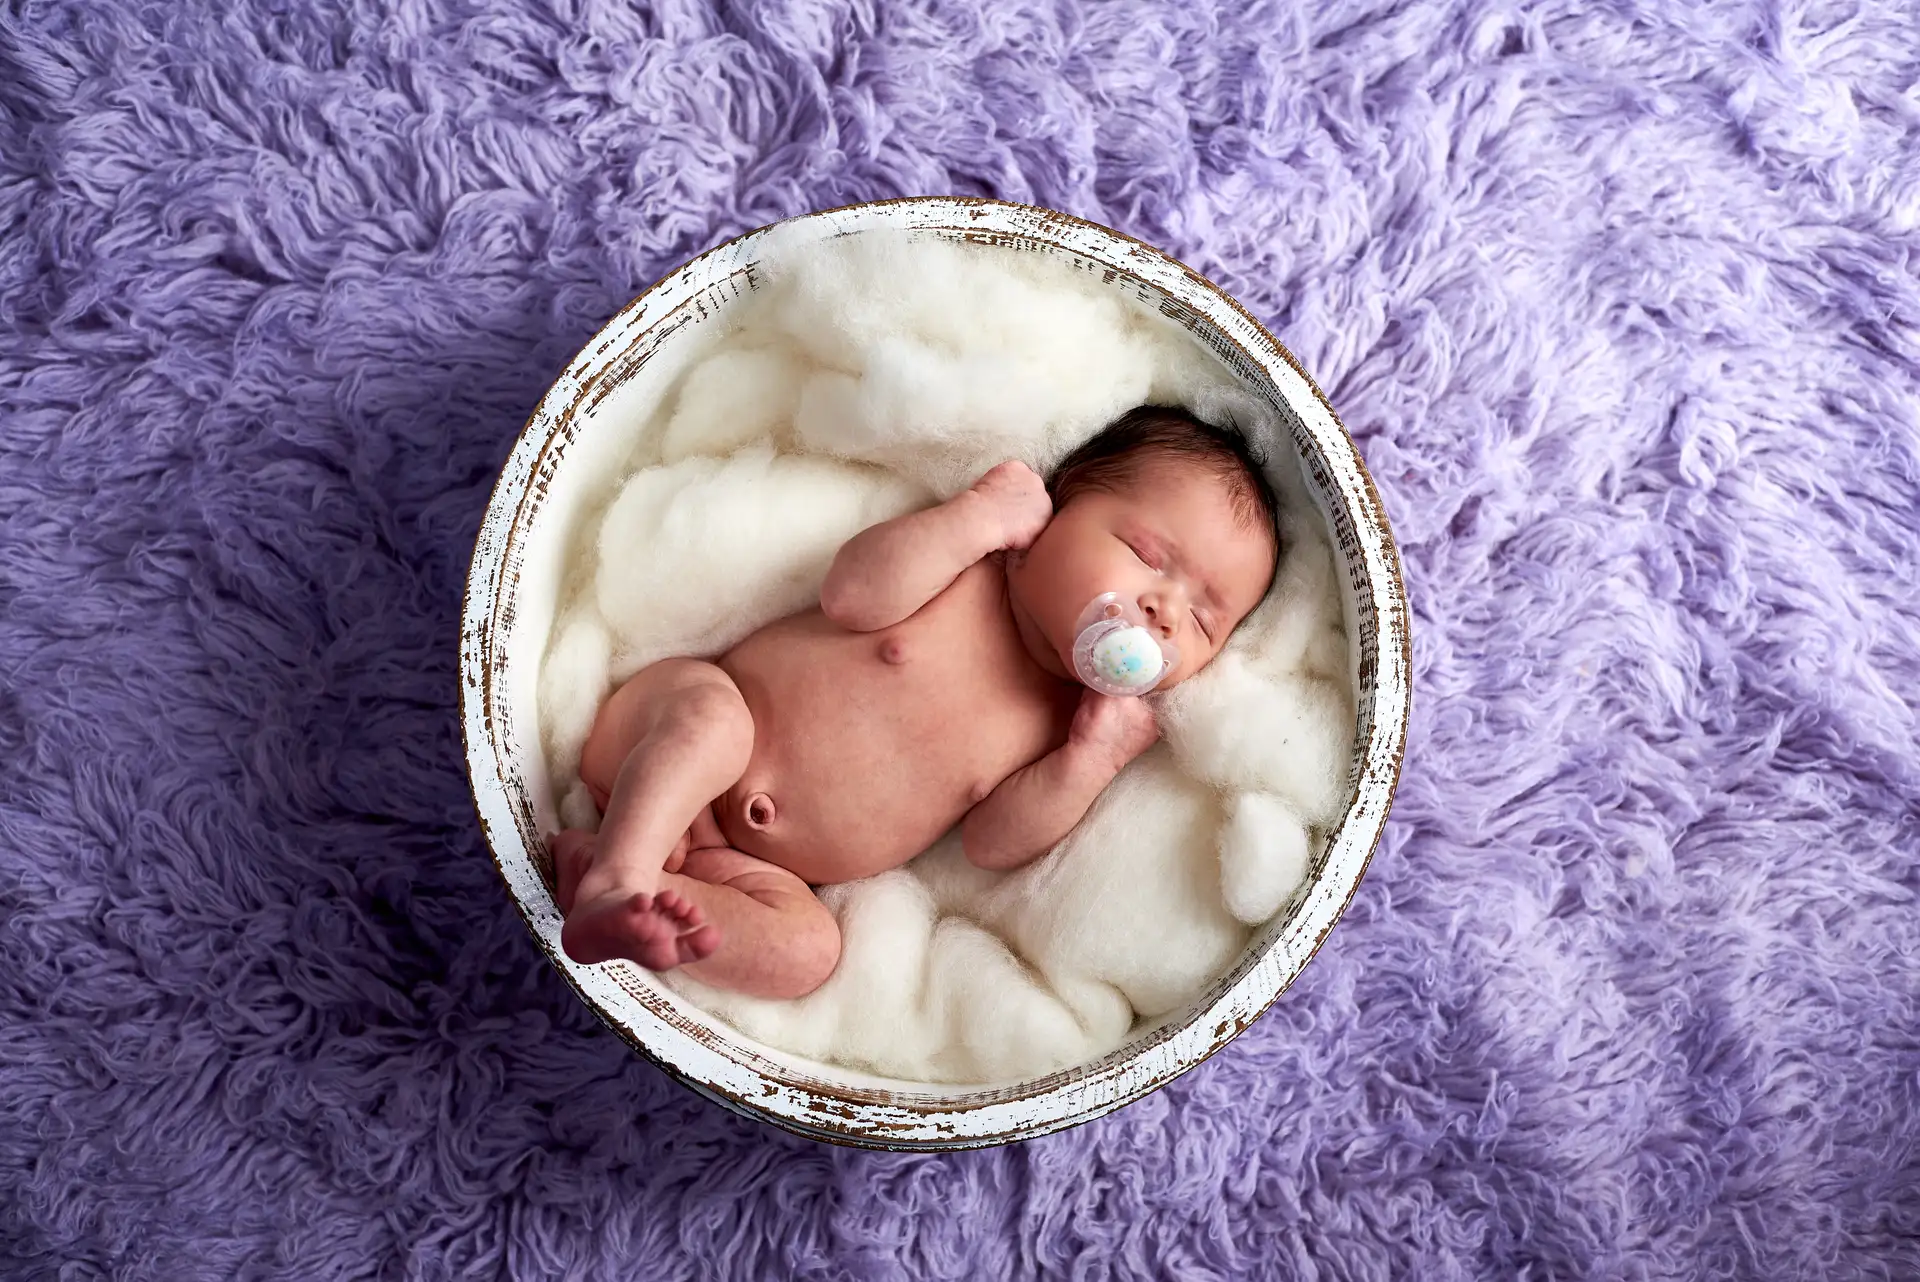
(1121, 726)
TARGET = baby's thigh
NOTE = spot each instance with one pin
(768, 884)
(776, 937)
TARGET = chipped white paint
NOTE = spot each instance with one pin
(505, 621)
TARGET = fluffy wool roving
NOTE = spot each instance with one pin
(936, 361)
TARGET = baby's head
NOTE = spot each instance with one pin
(1166, 511)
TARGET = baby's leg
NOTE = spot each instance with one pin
(774, 939)
(668, 742)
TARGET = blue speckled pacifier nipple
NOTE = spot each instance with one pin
(1115, 652)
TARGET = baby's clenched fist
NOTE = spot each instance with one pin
(1116, 728)
(1016, 499)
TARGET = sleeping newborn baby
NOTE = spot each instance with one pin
(976, 663)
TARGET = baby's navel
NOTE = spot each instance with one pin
(893, 650)
(760, 812)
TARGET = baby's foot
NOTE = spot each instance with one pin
(572, 850)
(659, 930)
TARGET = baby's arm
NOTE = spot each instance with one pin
(1035, 807)
(886, 572)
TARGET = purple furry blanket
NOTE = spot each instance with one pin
(1620, 301)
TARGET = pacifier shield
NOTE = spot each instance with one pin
(1115, 652)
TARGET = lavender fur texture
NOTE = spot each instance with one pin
(1621, 301)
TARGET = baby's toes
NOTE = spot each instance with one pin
(651, 933)
(698, 945)
(683, 912)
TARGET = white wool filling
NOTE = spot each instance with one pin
(875, 374)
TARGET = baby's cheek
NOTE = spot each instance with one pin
(1190, 666)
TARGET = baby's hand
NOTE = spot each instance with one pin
(1017, 499)
(1116, 728)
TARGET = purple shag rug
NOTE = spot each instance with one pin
(1621, 301)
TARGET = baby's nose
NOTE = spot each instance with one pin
(1159, 614)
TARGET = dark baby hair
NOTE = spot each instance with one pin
(1110, 458)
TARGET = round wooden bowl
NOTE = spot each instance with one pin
(512, 595)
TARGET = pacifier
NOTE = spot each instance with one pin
(1114, 650)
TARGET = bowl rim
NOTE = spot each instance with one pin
(706, 1059)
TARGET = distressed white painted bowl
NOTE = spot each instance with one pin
(512, 589)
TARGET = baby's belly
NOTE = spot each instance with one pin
(871, 745)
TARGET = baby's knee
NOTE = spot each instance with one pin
(815, 951)
(683, 701)
(711, 713)
(800, 953)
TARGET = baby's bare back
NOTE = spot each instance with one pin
(873, 744)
